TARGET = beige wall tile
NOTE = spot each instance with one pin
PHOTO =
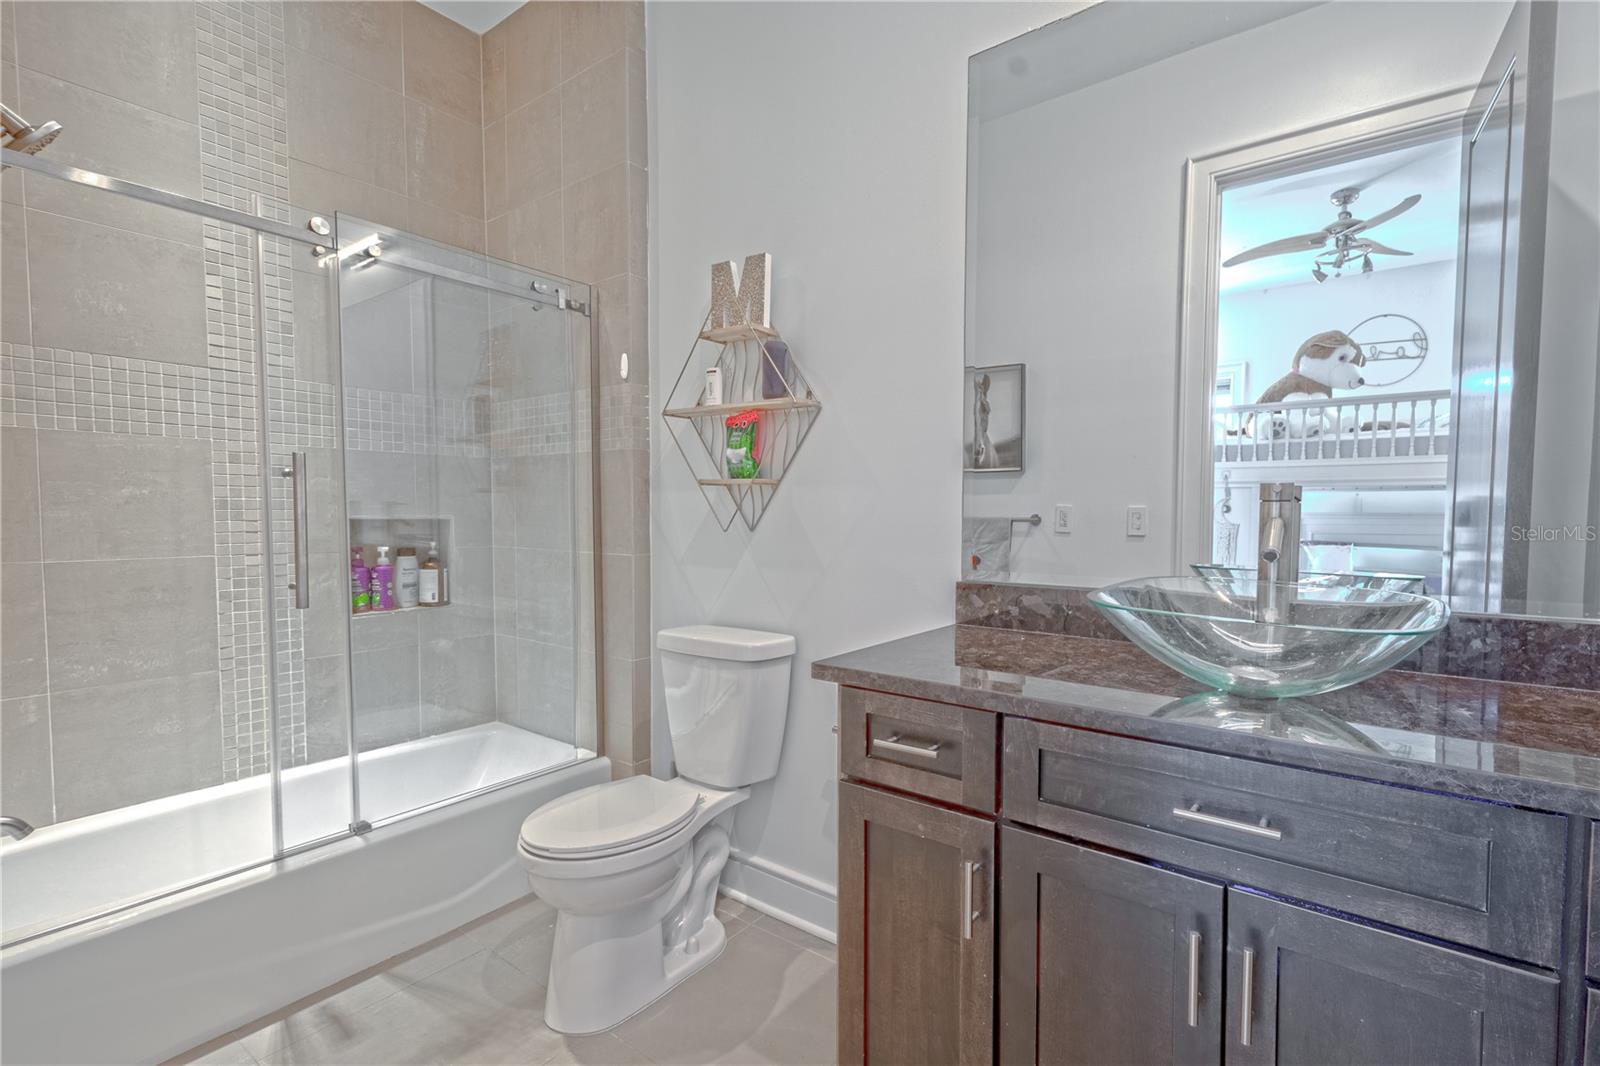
(443, 63)
(362, 37)
(594, 119)
(495, 200)
(327, 192)
(494, 73)
(23, 669)
(457, 683)
(19, 496)
(625, 501)
(25, 790)
(444, 160)
(327, 707)
(346, 123)
(617, 601)
(137, 741)
(14, 312)
(624, 327)
(638, 117)
(387, 694)
(638, 221)
(595, 225)
(594, 29)
(532, 235)
(446, 226)
(533, 150)
(627, 684)
(532, 37)
(141, 53)
(111, 136)
(130, 620)
(106, 496)
(97, 289)
(316, 337)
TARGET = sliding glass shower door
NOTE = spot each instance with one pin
(465, 383)
(161, 363)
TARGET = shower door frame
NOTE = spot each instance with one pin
(323, 245)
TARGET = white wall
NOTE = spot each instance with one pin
(834, 137)
(1079, 250)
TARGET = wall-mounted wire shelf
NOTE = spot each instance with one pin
(760, 376)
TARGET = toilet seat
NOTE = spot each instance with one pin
(611, 818)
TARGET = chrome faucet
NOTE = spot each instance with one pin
(14, 827)
(1279, 561)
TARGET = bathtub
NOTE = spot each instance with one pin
(155, 978)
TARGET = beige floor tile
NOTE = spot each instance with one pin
(475, 997)
(763, 1000)
(601, 1049)
(797, 937)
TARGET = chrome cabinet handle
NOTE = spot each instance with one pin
(1247, 993)
(296, 473)
(1193, 813)
(969, 894)
(1194, 979)
(901, 747)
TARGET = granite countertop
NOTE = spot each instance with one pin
(1529, 745)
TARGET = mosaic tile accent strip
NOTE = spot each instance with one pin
(379, 421)
(241, 60)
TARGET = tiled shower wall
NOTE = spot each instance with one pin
(127, 394)
(565, 190)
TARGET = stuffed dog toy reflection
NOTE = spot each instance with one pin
(1328, 361)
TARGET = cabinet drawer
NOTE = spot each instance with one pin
(936, 750)
(1476, 873)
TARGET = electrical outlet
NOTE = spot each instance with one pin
(1063, 518)
(1138, 520)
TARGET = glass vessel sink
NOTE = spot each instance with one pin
(1323, 637)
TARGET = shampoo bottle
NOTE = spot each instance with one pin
(432, 587)
(405, 577)
(383, 581)
(360, 582)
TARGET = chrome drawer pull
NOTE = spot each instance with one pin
(1193, 813)
(969, 910)
(901, 747)
(1194, 979)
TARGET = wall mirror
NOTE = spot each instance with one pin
(1349, 245)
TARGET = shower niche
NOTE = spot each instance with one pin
(415, 532)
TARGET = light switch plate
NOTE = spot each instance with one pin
(1138, 520)
(1063, 518)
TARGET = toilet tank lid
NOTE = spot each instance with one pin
(726, 642)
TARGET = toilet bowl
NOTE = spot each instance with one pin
(632, 866)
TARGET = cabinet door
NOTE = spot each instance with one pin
(916, 931)
(1305, 987)
(1104, 959)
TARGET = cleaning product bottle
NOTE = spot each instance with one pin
(405, 577)
(432, 589)
(360, 582)
(383, 581)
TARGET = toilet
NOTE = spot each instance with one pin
(632, 866)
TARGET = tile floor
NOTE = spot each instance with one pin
(476, 995)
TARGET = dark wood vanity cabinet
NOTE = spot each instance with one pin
(916, 924)
(1305, 986)
(1102, 957)
(1158, 904)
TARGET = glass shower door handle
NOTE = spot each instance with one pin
(301, 582)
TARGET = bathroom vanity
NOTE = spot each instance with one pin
(1053, 849)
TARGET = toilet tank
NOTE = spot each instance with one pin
(727, 694)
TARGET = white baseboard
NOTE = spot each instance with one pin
(786, 894)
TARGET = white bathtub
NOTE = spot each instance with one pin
(156, 978)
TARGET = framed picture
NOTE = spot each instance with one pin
(992, 427)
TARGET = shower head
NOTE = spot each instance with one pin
(22, 136)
